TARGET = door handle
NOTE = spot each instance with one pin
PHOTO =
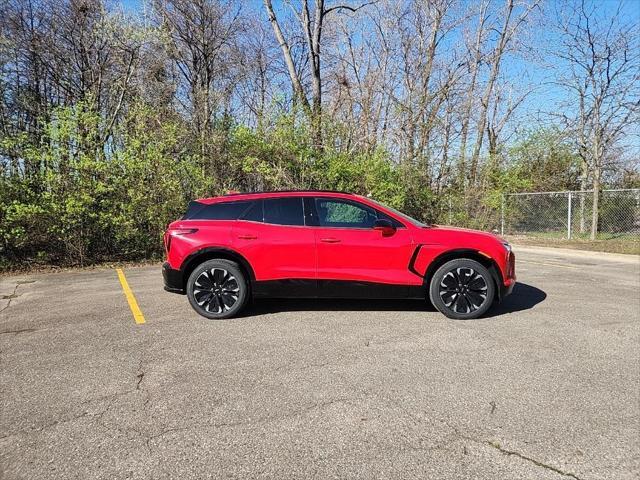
(330, 240)
(247, 237)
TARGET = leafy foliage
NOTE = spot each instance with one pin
(83, 201)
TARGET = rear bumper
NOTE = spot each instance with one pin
(173, 279)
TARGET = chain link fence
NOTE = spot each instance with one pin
(569, 215)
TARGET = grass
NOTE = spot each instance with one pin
(9, 269)
(605, 242)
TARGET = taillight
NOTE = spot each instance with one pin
(182, 231)
(174, 232)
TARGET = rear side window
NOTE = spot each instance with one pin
(254, 213)
(284, 211)
(192, 209)
(216, 211)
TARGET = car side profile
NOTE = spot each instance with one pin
(229, 249)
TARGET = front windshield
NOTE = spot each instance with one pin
(400, 214)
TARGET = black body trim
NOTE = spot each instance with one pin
(286, 288)
(412, 261)
(310, 288)
(371, 290)
(188, 265)
(173, 279)
(504, 291)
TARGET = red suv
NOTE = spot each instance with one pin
(309, 244)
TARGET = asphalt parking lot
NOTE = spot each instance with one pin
(545, 388)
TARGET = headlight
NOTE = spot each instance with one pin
(507, 247)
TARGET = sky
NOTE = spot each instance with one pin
(631, 8)
(535, 68)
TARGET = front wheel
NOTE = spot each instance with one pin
(217, 289)
(462, 289)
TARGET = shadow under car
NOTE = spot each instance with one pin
(523, 297)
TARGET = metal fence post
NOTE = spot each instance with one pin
(569, 217)
(502, 216)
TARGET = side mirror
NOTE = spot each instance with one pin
(385, 227)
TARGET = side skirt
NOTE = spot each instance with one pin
(304, 288)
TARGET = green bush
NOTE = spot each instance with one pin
(73, 197)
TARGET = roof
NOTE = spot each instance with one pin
(272, 193)
(287, 191)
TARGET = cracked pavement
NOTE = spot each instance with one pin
(546, 388)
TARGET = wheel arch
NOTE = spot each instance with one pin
(210, 253)
(484, 260)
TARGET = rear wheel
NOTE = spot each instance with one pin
(462, 289)
(217, 289)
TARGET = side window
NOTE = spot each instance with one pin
(338, 213)
(218, 211)
(393, 221)
(254, 213)
(284, 211)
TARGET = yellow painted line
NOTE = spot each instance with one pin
(564, 265)
(133, 305)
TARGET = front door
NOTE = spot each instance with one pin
(351, 255)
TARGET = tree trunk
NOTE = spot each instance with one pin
(466, 118)
(313, 33)
(583, 187)
(484, 102)
(288, 59)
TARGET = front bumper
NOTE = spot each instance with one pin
(507, 289)
(173, 279)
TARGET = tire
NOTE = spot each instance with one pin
(462, 289)
(217, 289)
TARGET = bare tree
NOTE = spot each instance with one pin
(312, 27)
(474, 64)
(65, 52)
(509, 29)
(201, 42)
(603, 84)
(258, 80)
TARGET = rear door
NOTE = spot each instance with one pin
(350, 250)
(273, 237)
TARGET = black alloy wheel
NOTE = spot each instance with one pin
(217, 289)
(462, 289)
